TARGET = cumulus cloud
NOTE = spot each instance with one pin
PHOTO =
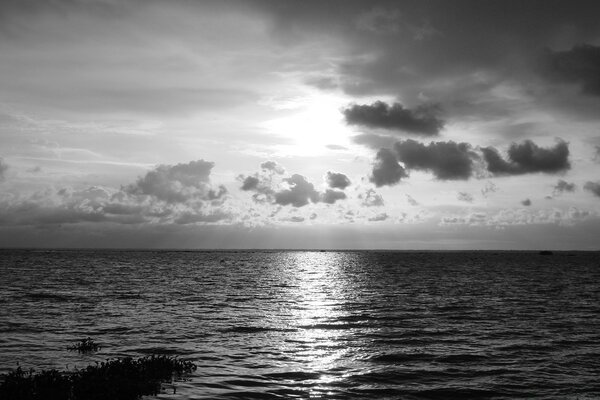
(580, 65)
(331, 196)
(562, 187)
(464, 196)
(299, 194)
(446, 160)
(337, 180)
(250, 183)
(422, 120)
(593, 187)
(178, 183)
(3, 169)
(273, 167)
(526, 202)
(527, 157)
(386, 170)
(371, 199)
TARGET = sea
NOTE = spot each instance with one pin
(316, 324)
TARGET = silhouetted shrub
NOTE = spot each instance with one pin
(86, 345)
(118, 379)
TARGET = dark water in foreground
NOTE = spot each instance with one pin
(317, 324)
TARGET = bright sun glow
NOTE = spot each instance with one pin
(316, 123)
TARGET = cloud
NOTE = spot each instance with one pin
(580, 65)
(299, 194)
(422, 120)
(464, 196)
(446, 160)
(411, 200)
(250, 183)
(526, 202)
(563, 186)
(528, 157)
(379, 217)
(3, 169)
(272, 166)
(178, 183)
(331, 196)
(386, 170)
(371, 199)
(489, 187)
(337, 180)
(593, 187)
(336, 147)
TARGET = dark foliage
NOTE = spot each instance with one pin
(118, 379)
(86, 345)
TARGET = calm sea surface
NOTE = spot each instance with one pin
(316, 324)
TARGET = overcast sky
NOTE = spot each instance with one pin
(300, 124)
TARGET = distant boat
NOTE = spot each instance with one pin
(546, 253)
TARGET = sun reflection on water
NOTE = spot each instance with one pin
(320, 337)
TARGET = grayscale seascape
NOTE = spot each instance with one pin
(295, 324)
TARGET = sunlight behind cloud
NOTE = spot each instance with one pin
(316, 123)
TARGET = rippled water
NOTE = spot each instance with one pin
(317, 324)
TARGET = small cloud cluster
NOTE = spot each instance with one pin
(422, 120)
(593, 187)
(464, 196)
(371, 199)
(562, 187)
(295, 191)
(527, 157)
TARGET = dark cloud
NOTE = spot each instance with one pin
(178, 183)
(299, 194)
(386, 170)
(580, 65)
(337, 180)
(593, 187)
(422, 120)
(464, 196)
(528, 157)
(563, 186)
(526, 202)
(3, 169)
(371, 199)
(250, 183)
(446, 160)
(331, 196)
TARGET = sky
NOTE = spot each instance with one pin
(300, 124)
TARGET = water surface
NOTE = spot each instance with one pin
(316, 324)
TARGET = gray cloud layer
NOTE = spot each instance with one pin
(422, 120)
(580, 65)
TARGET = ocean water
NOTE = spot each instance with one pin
(329, 325)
